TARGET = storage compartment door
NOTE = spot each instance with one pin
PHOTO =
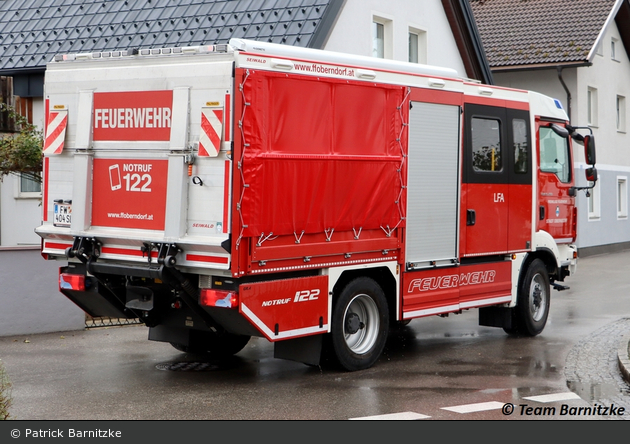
(433, 185)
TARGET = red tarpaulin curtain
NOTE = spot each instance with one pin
(323, 154)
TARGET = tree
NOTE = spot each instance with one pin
(21, 152)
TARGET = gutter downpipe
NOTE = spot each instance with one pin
(564, 85)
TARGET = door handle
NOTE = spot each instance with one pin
(541, 212)
(471, 217)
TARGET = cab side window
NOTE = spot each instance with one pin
(486, 145)
(521, 146)
(554, 154)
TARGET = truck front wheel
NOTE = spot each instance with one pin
(360, 323)
(534, 296)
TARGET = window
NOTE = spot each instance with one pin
(486, 145)
(621, 113)
(521, 146)
(591, 106)
(27, 187)
(413, 47)
(554, 154)
(417, 46)
(613, 49)
(382, 37)
(622, 197)
(378, 40)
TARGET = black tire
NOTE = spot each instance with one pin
(360, 323)
(214, 344)
(534, 297)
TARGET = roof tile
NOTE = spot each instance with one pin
(32, 31)
(529, 32)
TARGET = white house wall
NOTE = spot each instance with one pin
(31, 302)
(610, 78)
(352, 32)
(20, 216)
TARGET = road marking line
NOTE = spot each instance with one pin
(554, 397)
(407, 416)
(479, 407)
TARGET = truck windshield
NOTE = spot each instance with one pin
(554, 154)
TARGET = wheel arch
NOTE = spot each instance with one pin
(546, 256)
(546, 249)
(385, 275)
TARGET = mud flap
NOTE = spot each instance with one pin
(307, 349)
(163, 333)
(96, 304)
(496, 317)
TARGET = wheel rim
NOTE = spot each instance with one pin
(361, 324)
(538, 297)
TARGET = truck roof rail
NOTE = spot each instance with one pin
(221, 48)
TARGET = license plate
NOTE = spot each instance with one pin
(63, 215)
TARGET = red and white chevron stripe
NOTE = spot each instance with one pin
(211, 131)
(56, 131)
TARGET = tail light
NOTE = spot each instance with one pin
(211, 297)
(71, 282)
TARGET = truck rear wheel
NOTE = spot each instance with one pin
(216, 345)
(360, 323)
(534, 296)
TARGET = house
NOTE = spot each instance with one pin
(438, 32)
(576, 51)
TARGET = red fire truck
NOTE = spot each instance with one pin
(308, 197)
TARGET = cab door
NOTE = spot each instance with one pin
(485, 181)
(497, 210)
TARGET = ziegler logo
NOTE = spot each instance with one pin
(451, 281)
(300, 296)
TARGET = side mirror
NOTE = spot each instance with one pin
(589, 150)
(591, 174)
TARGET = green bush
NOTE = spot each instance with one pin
(21, 153)
(5, 394)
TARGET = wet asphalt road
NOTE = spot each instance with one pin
(435, 368)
